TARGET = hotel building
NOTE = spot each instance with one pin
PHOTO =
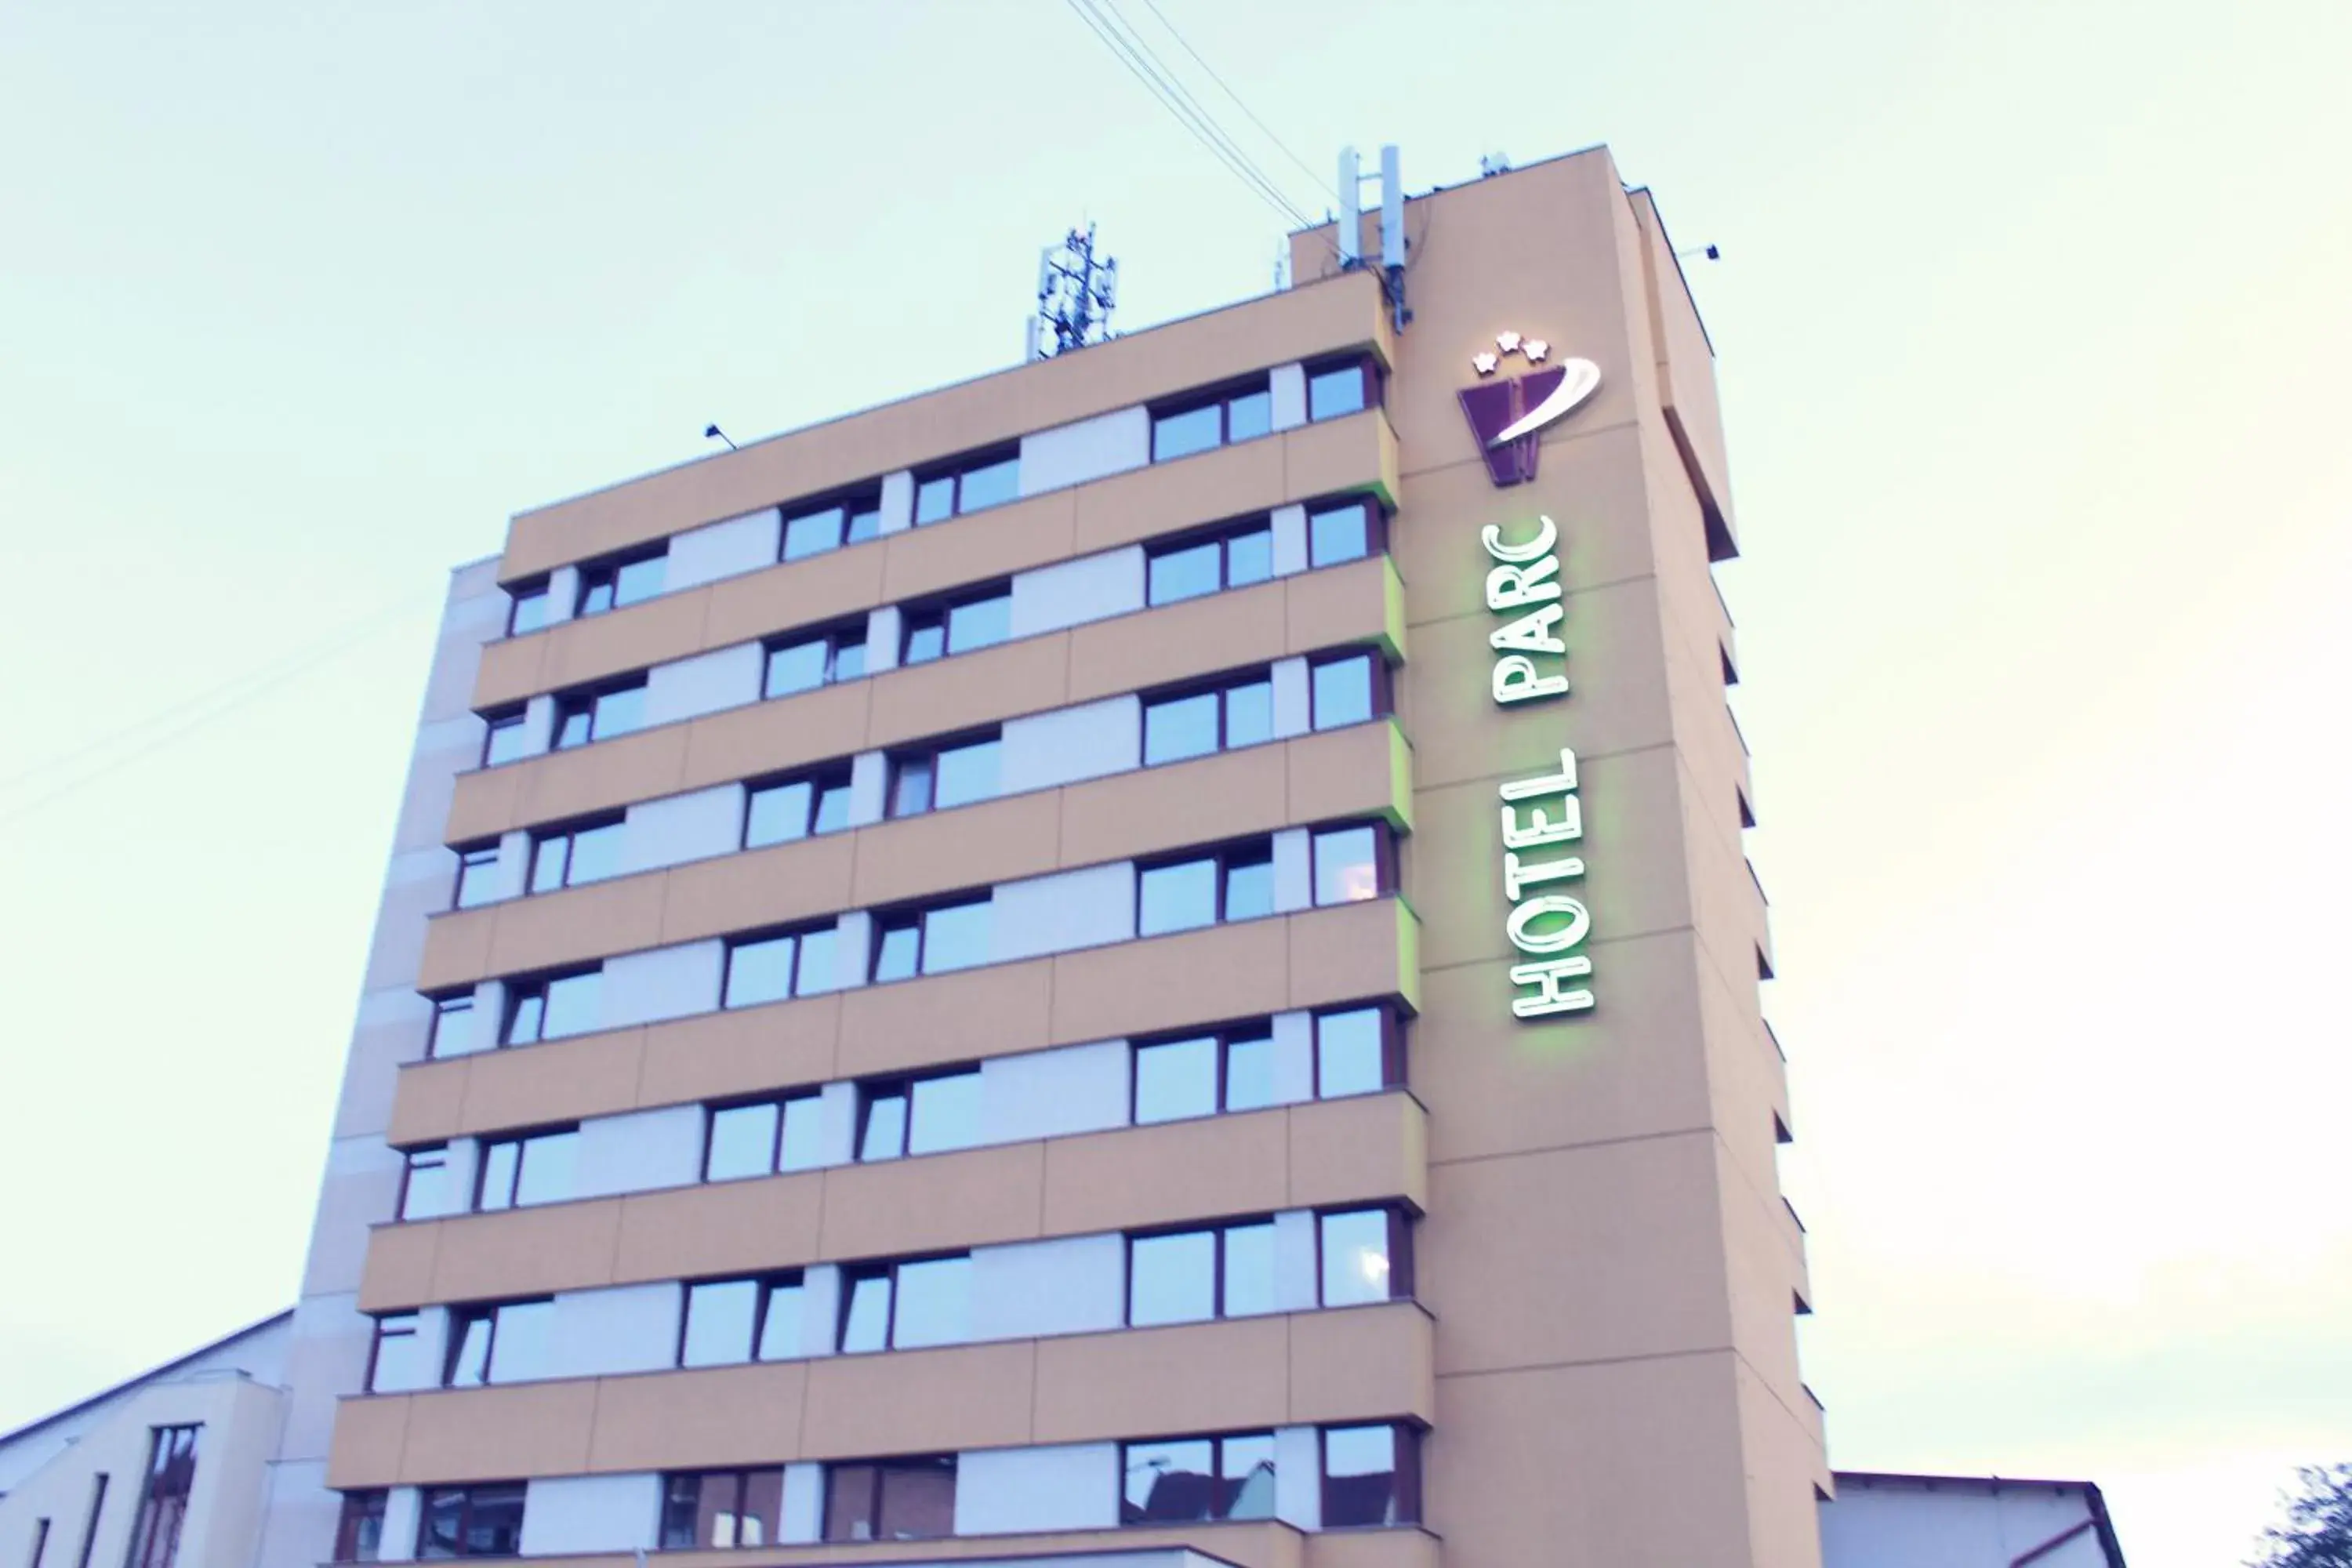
(1144, 960)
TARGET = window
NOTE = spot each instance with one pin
(970, 485)
(918, 1116)
(729, 1322)
(520, 1172)
(567, 856)
(765, 1137)
(771, 967)
(1337, 533)
(904, 1306)
(503, 1343)
(721, 1507)
(930, 941)
(358, 1532)
(782, 810)
(481, 1521)
(1372, 1475)
(1347, 868)
(1366, 1256)
(1235, 884)
(502, 742)
(851, 520)
(1190, 1276)
(477, 874)
(1358, 1051)
(41, 1542)
(612, 584)
(890, 1499)
(1238, 712)
(163, 1497)
(452, 1031)
(1201, 1075)
(1232, 559)
(424, 1184)
(527, 611)
(1347, 690)
(551, 1008)
(589, 716)
(396, 1360)
(954, 774)
(961, 627)
(1334, 390)
(806, 663)
(1240, 415)
(1185, 1479)
(97, 1512)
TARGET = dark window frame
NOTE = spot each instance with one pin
(471, 857)
(541, 588)
(453, 1343)
(918, 916)
(797, 991)
(497, 722)
(743, 1480)
(1220, 398)
(1223, 535)
(1393, 1067)
(1376, 529)
(821, 779)
(1221, 686)
(880, 1470)
(1216, 1441)
(446, 1006)
(937, 613)
(958, 470)
(584, 701)
(838, 637)
(605, 573)
(1224, 1036)
(411, 1162)
(1406, 1438)
(40, 1541)
(97, 1513)
(1226, 856)
(1382, 696)
(1374, 384)
(929, 754)
(764, 1288)
(783, 1102)
(1384, 862)
(522, 1139)
(859, 501)
(361, 1507)
(164, 1489)
(520, 989)
(383, 1330)
(471, 1496)
(900, 1086)
(1216, 1230)
(568, 833)
(882, 1269)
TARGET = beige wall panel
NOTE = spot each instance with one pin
(1362, 1363)
(483, 803)
(1354, 950)
(752, 1048)
(1140, 986)
(509, 670)
(473, 1434)
(933, 1203)
(365, 1448)
(1365, 770)
(399, 1268)
(1026, 676)
(917, 1401)
(428, 1102)
(811, 592)
(643, 766)
(964, 551)
(1361, 601)
(1746, 1078)
(596, 1074)
(1202, 1377)
(1174, 805)
(1199, 351)
(1337, 456)
(1591, 1467)
(968, 846)
(1785, 1463)
(781, 884)
(540, 931)
(1344, 1150)
(772, 737)
(945, 1017)
(1167, 498)
(1374, 1549)
(1608, 1251)
(686, 1420)
(457, 945)
(1144, 1176)
(1685, 359)
(1252, 1544)
(1176, 642)
(484, 1257)
(724, 1228)
(1764, 1260)
(625, 640)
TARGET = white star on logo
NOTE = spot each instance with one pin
(1484, 363)
(1535, 349)
(1506, 341)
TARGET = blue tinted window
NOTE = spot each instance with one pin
(618, 713)
(504, 742)
(1344, 535)
(777, 814)
(1355, 1249)
(991, 486)
(813, 534)
(1181, 435)
(935, 499)
(1175, 1080)
(797, 667)
(865, 1318)
(1177, 897)
(742, 1142)
(1186, 573)
(1347, 867)
(1343, 691)
(1350, 1053)
(1249, 1073)
(1249, 889)
(1178, 728)
(571, 1006)
(639, 580)
(1249, 558)
(894, 953)
(1249, 417)
(946, 1113)
(979, 623)
(934, 1304)
(1249, 1269)
(1332, 392)
(719, 1322)
(759, 971)
(1171, 1278)
(1249, 713)
(955, 937)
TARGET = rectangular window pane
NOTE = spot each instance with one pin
(527, 1017)
(777, 814)
(1355, 1257)
(946, 1113)
(804, 1142)
(503, 743)
(865, 523)
(399, 1356)
(956, 937)
(934, 1304)
(529, 613)
(618, 713)
(1167, 1482)
(1245, 1477)
(682, 1510)
(1249, 888)
(1347, 869)
(1185, 573)
(499, 1162)
(917, 1499)
(813, 534)
(832, 808)
(1343, 691)
(1181, 435)
(1175, 1080)
(926, 640)
(1178, 898)
(1249, 558)
(910, 786)
(1336, 392)
(639, 580)
(779, 1323)
(894, 953)
(1249, 1073)
(453, 1027)
(935, 499)
(967, 774)
(1249, 417)
(1336, 536)
(547, 1167)
(424, 1189)
(817, 973)
(742, 1142)
(979, 623)
(1171, 1278)
(849, 1502)
(993, 485)
(884, 1136)
(1249, 1269)
(469, 1350)
(1178, 728)
(1249, 714)
(865, 1321)
(719, 1323)
(759, 971)
(1350, 1053)
(571, 1006)
(550, 858)
(478, 876)
(575, 725)
(518, 1348)
(1360, 1476)
(797, 667)
(595, 854)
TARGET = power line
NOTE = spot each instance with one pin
(1229, 92)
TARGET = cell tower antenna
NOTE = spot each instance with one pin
(1075, 293)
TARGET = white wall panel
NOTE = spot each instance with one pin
(1298, 1477)
(566, 1516)
(1293, 870)
(562, 593)
(690, 688)
(602, 1333)
(1293, 705)
(1288, 385)
(639, 1152)
(869, 784)
(1072, 1487)
(1294, 1057)
(1297, 1284)
(682, 827)
(1072, 1285)
(897, 502)
(403, 1508)
(803, 1516)
(662, 983)
(1072, 454)
(1071, 743)
(1066, 911)
(727, 549)
(1049, 1094)
(1072, 593)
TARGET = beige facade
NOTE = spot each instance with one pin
(1587, 1344)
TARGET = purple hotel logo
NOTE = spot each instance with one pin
(1507, 413)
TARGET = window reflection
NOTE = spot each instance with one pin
(1347, 865)
(1190, 1480)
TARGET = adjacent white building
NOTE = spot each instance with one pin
(1966, 1521)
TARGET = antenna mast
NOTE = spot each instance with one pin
(1076, 294)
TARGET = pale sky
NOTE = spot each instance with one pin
(2030, 321)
